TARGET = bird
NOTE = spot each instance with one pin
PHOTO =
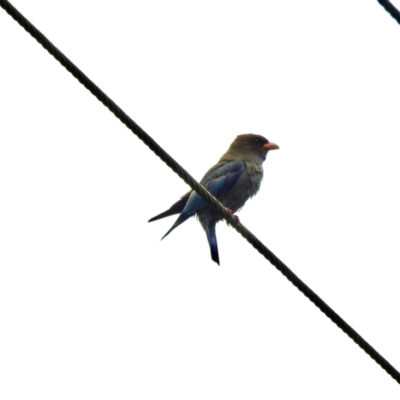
(234, 179)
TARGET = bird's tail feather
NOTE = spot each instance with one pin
(212, 241)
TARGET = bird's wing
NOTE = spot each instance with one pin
(222, 176)
(176, 208)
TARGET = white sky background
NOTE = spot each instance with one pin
(93, 305)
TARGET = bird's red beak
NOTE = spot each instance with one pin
(270, 146)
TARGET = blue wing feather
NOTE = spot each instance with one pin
(222, 176)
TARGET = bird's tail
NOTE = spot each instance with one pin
(212, 241)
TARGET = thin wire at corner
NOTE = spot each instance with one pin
(391, 9)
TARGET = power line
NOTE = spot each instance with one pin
(212, 201)
(391, 9)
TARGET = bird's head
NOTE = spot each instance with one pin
(251, 145)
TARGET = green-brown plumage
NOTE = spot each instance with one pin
(233, 180)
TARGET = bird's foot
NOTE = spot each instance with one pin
(235, 217)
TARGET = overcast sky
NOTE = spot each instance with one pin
(93, 305)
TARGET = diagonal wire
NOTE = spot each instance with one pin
(211, 200)
(391, 9)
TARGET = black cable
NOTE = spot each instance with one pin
(391, 9)
(211, 200)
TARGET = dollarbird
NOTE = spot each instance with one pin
(233, 180)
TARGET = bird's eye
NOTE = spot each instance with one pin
(257, 141)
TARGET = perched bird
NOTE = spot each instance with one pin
(233, 180)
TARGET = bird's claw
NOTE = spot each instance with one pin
(235, 217)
